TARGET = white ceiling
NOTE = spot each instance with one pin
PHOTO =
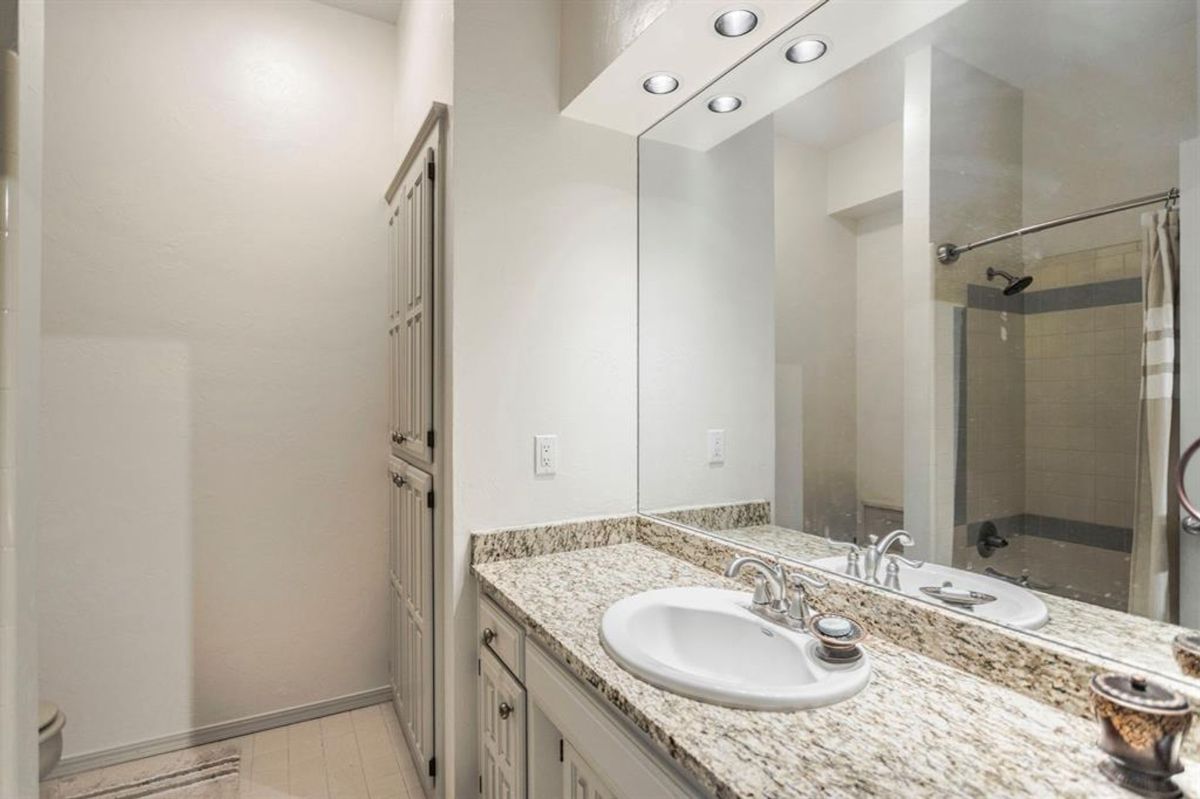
(382, 10)
(859, 100)
(1054, 49)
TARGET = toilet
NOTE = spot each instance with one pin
(50, 725)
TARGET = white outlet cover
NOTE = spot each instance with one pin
(545, 454)
(716, 446)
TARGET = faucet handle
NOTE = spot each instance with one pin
(800, 580)
(798, 611)
(851, 546)
(762, 594)
(892, 578)
(853, 554)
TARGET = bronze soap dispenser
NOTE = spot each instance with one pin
(1142, 725)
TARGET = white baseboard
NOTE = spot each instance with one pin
(218, 732)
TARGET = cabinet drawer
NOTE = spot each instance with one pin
(503, 636)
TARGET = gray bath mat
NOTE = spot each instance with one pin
(209, 772)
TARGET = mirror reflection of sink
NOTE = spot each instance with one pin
(1014, 605)
(706, 643)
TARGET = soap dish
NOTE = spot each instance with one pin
(838, 637)
(956, 596)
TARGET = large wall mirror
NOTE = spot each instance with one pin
(842, 333)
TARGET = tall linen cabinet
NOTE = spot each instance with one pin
(415, 466)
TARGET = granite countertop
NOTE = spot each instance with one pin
(920, 728)
(1144, 643)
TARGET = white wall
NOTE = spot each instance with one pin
(707, 320)
(543, 288)
(594, 33)
(815, 303)
(20, 297)
(213, 505)
(879, 358)
(865, 172)
(1092, 138)
(424, 65)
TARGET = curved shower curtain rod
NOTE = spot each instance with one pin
(948, 253)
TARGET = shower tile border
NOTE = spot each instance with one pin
(1067, 298)
(1071, 531)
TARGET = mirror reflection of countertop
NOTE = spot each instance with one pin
(1141, 642)
(920, 727)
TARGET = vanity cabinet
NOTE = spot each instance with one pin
(580, 781)
(544, 734)
(501, 730)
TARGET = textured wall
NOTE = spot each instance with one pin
(214, 502)
(544, 295)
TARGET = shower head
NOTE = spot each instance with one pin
(1015, 284)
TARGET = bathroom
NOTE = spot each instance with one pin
(780, 398)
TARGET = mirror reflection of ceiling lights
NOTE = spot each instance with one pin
(661, 83)
(737, 22)
(733, 23)
(805, 50)
(724, 103)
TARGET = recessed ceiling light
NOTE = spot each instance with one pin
(805, 50)
(738, 22)
(660, 83)
(724, 104)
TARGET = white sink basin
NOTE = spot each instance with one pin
(1014, 605)
(705, 643)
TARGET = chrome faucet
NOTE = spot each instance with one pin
(779, 595)
(770, 590)
(877, 549)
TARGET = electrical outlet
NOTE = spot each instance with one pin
(716, 446)
(545, 454)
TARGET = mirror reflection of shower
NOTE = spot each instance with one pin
(1015, 284)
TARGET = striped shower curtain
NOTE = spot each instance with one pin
(1154, 569)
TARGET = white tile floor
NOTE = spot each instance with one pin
(355, 755)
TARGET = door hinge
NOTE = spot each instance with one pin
(431, 170)
(433, 767)
(429, 439)
(479, 667)
(481, 783)
(560, 750)
(429, 499)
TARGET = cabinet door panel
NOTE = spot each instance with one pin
(580, 780)
(501, 731)
(411, 534)
(414, 321)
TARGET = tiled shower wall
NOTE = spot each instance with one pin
(1052, 385)
(1082, 370)
(995, 361)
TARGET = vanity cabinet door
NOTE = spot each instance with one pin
(580, 780)
(501, 731)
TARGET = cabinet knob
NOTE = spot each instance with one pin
(489, 635)
(505, 710)
(397, 480)
(398, 438)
